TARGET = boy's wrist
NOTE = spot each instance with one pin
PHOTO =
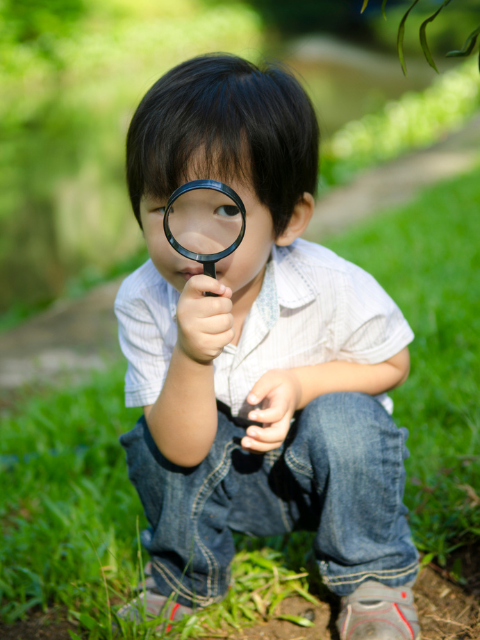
(189, 357)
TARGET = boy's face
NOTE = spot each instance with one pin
(242, 270)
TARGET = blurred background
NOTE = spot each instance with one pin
(73, 71)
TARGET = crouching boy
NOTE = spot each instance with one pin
(264, 407)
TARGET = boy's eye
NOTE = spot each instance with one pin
(227, 211)
(161, 210)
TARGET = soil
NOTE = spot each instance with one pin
(447, 611)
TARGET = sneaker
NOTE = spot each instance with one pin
(377, 612)
(150, 605)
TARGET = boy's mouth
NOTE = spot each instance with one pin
(190, 271)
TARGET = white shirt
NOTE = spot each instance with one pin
(313, 307)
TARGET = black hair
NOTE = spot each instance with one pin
(255, 124)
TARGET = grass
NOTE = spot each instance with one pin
(69, 515)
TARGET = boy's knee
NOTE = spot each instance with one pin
(344, 412)
(348, 428)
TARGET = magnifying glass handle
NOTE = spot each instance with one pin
(209, 270)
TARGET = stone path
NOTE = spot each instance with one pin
(80, 335)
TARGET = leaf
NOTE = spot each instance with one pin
(286, 593)
(260, 604)
(188, 629)
(305, 595)
(302, 622)
(383, 9)
(247, 612)
(73, 635)
(87, 621)
(55, 510)
(427, 559)
(20, 609)
(423, 35)
(400, 36)
(365, 3)
(467, 47)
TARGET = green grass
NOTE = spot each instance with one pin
(67, 508)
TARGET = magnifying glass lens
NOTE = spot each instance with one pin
(204, 221)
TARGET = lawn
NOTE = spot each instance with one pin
(70, 517)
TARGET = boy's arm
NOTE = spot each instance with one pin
(351, 376)
(282, 392)
(183, 419)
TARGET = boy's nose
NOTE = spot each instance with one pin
(199, 243)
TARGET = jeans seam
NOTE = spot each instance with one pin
(299, 466)
(174, 582)
(196, 509)
(339, 580)
(177, 586)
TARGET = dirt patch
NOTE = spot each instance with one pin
(447, 610)
(52, 625)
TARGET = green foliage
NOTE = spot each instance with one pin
(465, 51)
(63, 120)
(39, 20)
(65, 498)
(416, 120)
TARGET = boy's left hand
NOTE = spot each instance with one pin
(279, 392)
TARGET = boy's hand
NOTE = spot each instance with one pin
(279, 392)
(205, 324)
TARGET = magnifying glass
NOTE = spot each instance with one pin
(204, 221)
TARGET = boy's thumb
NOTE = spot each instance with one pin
(258, 392)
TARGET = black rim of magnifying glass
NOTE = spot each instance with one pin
(214, 186)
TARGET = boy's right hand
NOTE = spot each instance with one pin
(205, 324)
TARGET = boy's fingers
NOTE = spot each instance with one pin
(262, 388)
(269, 435)
(201, 283)
(272, 414)
(218, 323)
(259, 447)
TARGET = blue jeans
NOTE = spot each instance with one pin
(340, 473)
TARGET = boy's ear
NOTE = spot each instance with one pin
(302, 213)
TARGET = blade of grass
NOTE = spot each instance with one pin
(281, 596)
(302, 622)
(302, 592)
(109, 609)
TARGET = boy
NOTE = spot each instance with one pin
(297, 341)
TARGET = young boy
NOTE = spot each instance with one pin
(264, 406)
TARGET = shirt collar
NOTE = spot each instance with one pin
(267, 299)
(293, 288)
(284, 284)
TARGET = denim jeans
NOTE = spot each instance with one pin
(340, 473)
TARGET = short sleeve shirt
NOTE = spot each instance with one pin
(313, 307)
